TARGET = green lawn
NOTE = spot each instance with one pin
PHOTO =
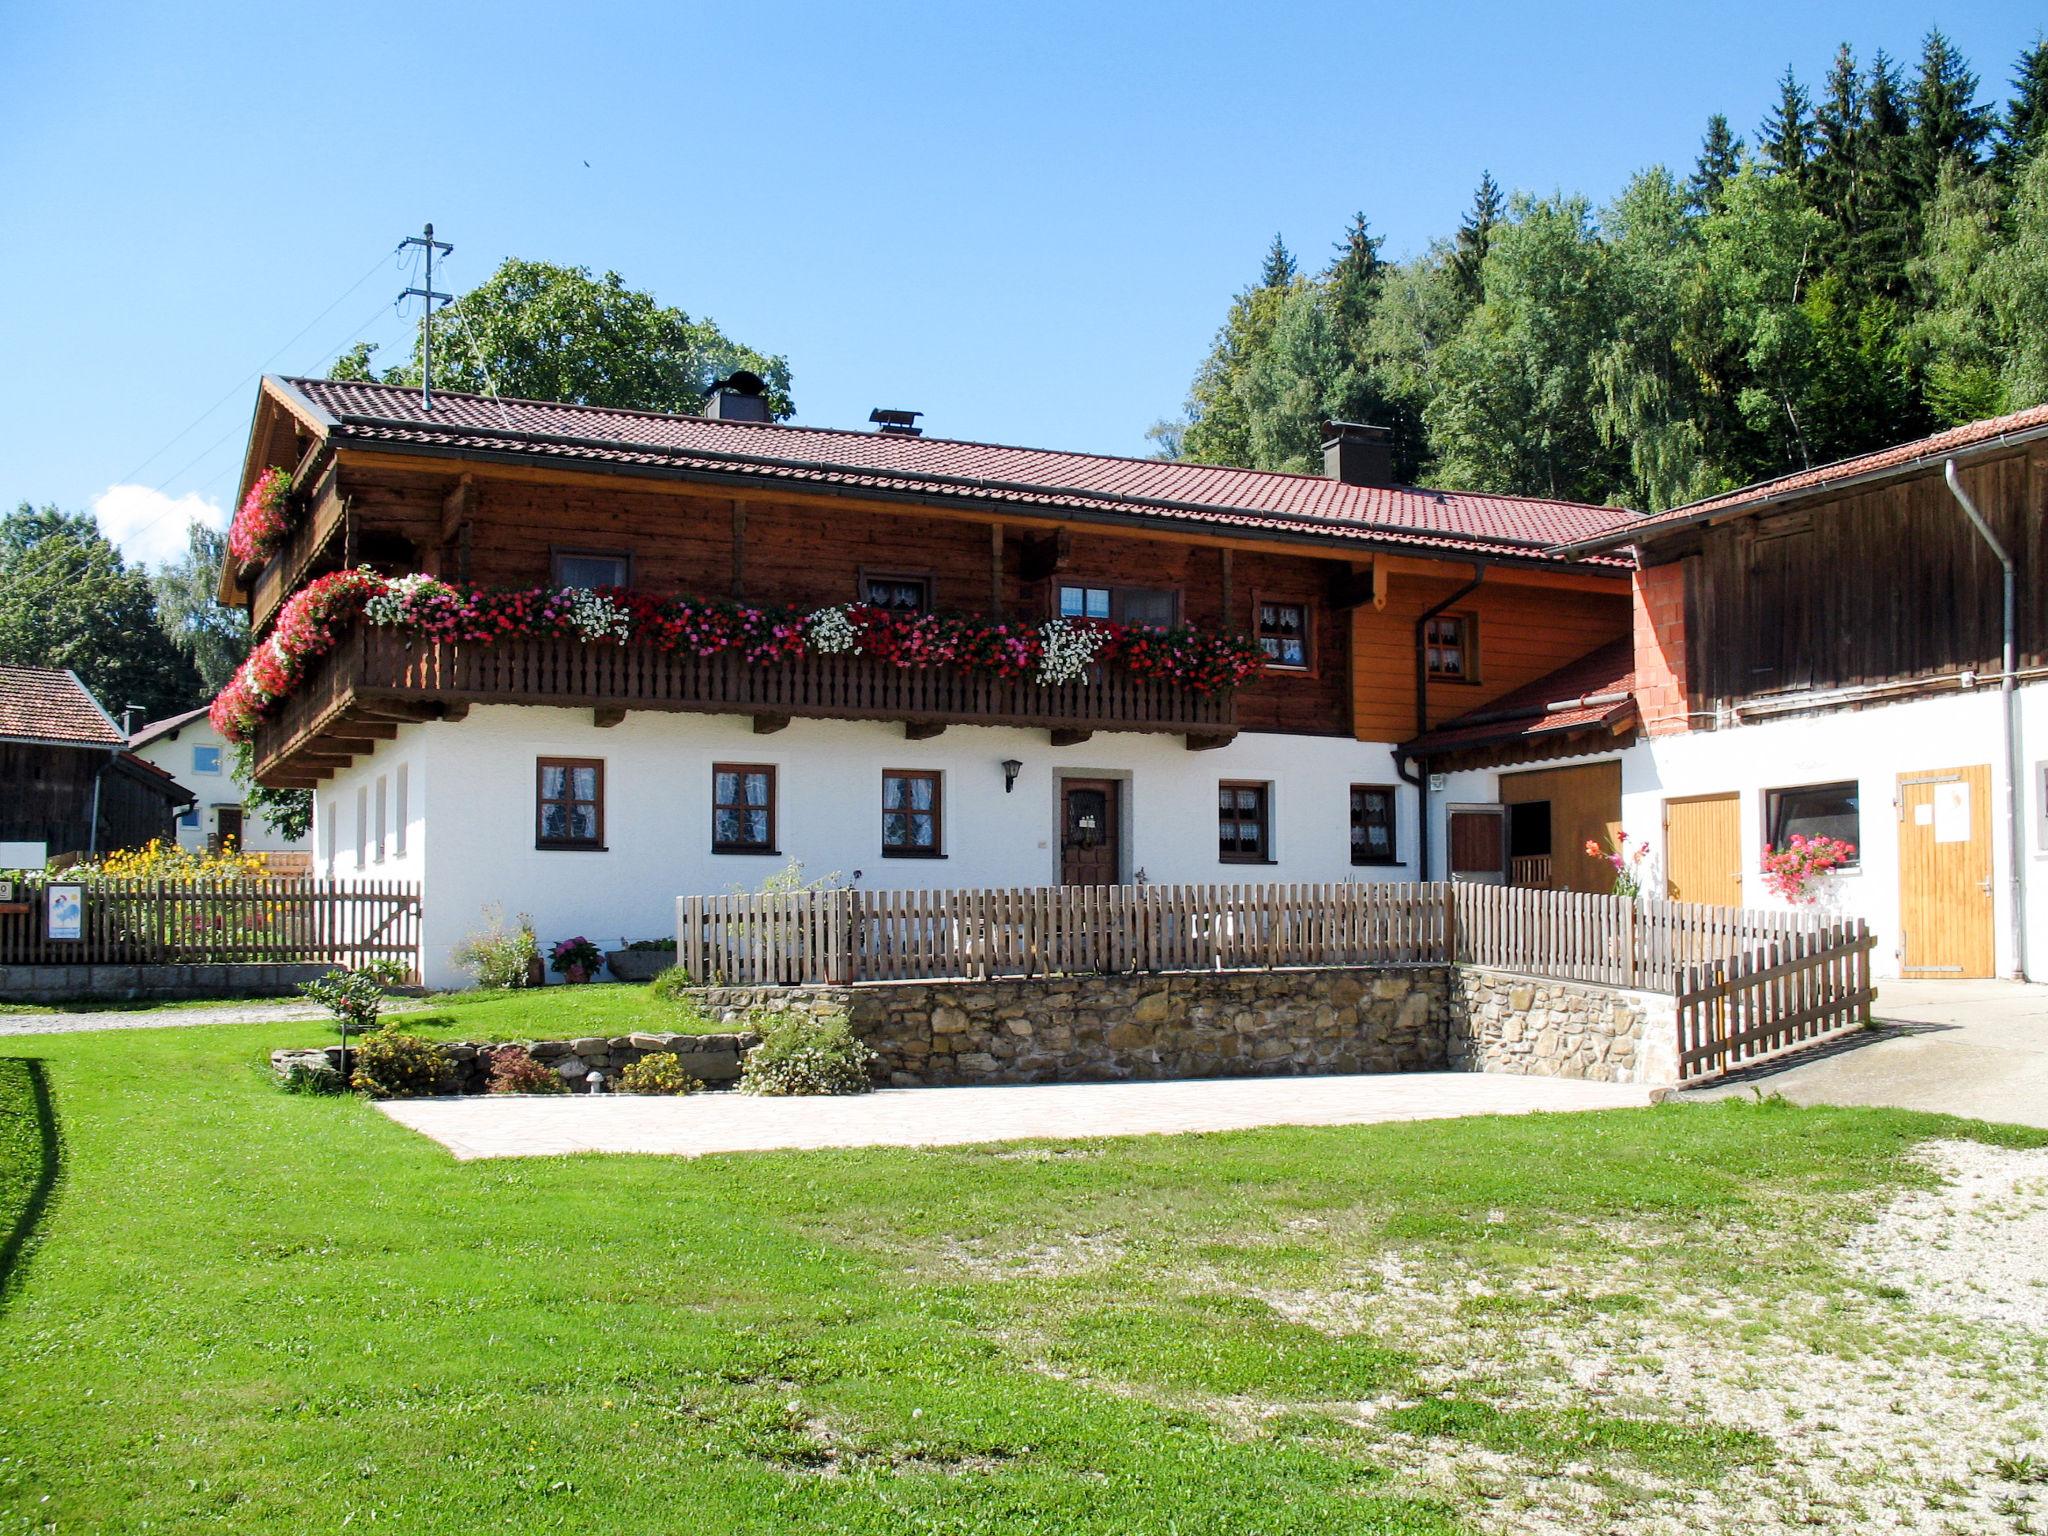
(549, 1013)
(258, 1313)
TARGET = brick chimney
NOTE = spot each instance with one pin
(1357, 454)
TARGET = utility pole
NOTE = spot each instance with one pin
(428, 295)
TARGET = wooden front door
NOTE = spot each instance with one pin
(1089, 841)
(1479, 844)
(227, 824)
(1945, 907)
(1703, 849)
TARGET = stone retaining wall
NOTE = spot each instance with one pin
(1503, 1022)
(711, 1059)
(150, 983)
(1169, 1025)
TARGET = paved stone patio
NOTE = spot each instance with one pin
(924, 1117)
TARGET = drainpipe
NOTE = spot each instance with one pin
(1420, 778)
(2008, 692)
(92, 831)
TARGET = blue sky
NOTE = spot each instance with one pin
(1024, 221)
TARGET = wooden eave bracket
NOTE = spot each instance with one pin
(1350, 589)
(1068, 736)
(922, 730)
(1046, 554)
(604, 717)
(1200, 742)
(768, 725)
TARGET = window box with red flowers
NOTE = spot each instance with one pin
(263, 521)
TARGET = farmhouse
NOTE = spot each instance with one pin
(1256, 649)
(68, 784)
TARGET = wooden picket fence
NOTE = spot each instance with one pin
(175, 922)
(1792, 991)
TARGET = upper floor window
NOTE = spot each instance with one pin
(1285, 632)
(1448, 648)
(1244, 823)
(1372, 824)
(1813, 810)
(206, 759)
(897, 594)
(742, 808)
(910, 813)
(592, 568)
(569, 803)
(1155, 607)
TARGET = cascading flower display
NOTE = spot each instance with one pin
(1792, 871)
(261, 523)
(1055, 652)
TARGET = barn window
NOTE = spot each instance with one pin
(1813, 810)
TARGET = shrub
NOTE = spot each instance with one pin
(513, 1070)
(672, 985)
(499, 956)
(390, 1065)
(353, 997)
(302, 1077)
(660, 1073)
(577, 958)
(801, 1053)
(641, 946)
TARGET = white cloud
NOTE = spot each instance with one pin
(148, 526)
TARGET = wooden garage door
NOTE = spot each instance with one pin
(1703, 849)
(1945, 918)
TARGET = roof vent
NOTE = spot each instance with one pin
(1357, 454)
(896, 423)
(742, 396)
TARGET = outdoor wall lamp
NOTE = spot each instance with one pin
(1011, 768)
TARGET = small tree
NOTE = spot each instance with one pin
(353, 997)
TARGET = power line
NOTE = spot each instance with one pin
(244, 382)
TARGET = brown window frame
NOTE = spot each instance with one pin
(1311, 661)
(557, 553)
(937, 814)
(568, 765)
(1117, 594)
(1468, 648)
(922, 579)
(1393, 853)
(1265, 818)
(717, 805)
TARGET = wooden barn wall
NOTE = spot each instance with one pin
(1525, 632)
(46, 796)
(1890, 582)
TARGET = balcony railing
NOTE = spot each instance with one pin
(382, 674)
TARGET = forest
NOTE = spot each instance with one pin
(1867, 265)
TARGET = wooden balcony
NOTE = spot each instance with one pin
(377, 678)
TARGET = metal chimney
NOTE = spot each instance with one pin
(1357, 454)
(742, 396)
(896, 423)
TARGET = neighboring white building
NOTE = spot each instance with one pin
(189, 749)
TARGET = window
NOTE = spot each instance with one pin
(1447, 647)
(383, 812)
(1285, 633)
(742, 808)
(1813, 810)
(1242, 823)
(897, 594)
(206, 759)
(189, 817)
(910, 814)
(1372, 824)
(399, 817)
(1158, 607)
(569, 810)
(362, 825)
(592, 568)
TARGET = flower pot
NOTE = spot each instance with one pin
(536, 972)
(575, 975)
(639, 964)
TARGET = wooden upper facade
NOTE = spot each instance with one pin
(1340, 599)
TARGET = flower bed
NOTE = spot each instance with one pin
(1057, 651)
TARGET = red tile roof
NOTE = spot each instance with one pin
(51, 704)
(1604, 680)
(1462, 522)
(1900, 459)
(148, 733)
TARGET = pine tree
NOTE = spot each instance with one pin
(1475, 237)
(1948, 123)
(1720, 158)
(1835, 178)
(1785, 138)
(1354, 277)
(1279, 269)
(1890, 213)
(2023, 130)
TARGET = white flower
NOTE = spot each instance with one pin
(595, 616)
(830, 632)
(1069, 651)
(398, 601)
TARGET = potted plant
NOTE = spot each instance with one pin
(1793, 870)
(641, 959)
(577, 960)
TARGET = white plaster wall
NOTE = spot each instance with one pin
(172, 752)
(1873, 746)
(472, 805)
